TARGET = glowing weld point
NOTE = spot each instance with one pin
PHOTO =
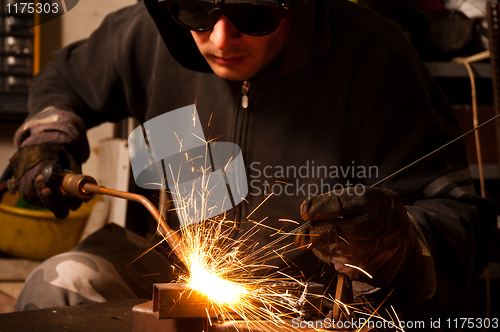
(214, 287)
(360, 269)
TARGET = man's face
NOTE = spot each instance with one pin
(235, 56)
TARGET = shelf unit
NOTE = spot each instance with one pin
(17, 61)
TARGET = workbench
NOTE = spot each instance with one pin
(115, 316)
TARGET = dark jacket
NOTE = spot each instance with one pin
(350, 94)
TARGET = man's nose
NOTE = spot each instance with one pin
(224, 33)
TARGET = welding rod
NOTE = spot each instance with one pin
(84, 187)
(433, 152)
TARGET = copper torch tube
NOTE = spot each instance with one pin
(173, 239)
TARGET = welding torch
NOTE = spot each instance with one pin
(84, 187)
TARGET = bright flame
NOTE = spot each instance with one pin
(214, 286)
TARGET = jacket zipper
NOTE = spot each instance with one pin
(239, 121)
(244, 91)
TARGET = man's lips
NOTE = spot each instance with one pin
(229, 61)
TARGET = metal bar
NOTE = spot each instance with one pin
(177, 300)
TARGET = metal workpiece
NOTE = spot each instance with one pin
(144, 319)
(178, 300)
(176, 307)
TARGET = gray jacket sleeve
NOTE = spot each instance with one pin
(100, 78)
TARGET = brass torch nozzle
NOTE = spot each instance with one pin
(72, 185)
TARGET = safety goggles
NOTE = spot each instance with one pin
(255, 18)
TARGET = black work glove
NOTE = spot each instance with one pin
(55, 140)
(368, 228)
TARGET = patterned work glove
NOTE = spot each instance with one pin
(51, 139)
(367, 228)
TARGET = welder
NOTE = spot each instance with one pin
(304, 87)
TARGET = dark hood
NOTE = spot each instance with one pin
(309, 36)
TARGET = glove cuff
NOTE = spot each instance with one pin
(53, 125)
